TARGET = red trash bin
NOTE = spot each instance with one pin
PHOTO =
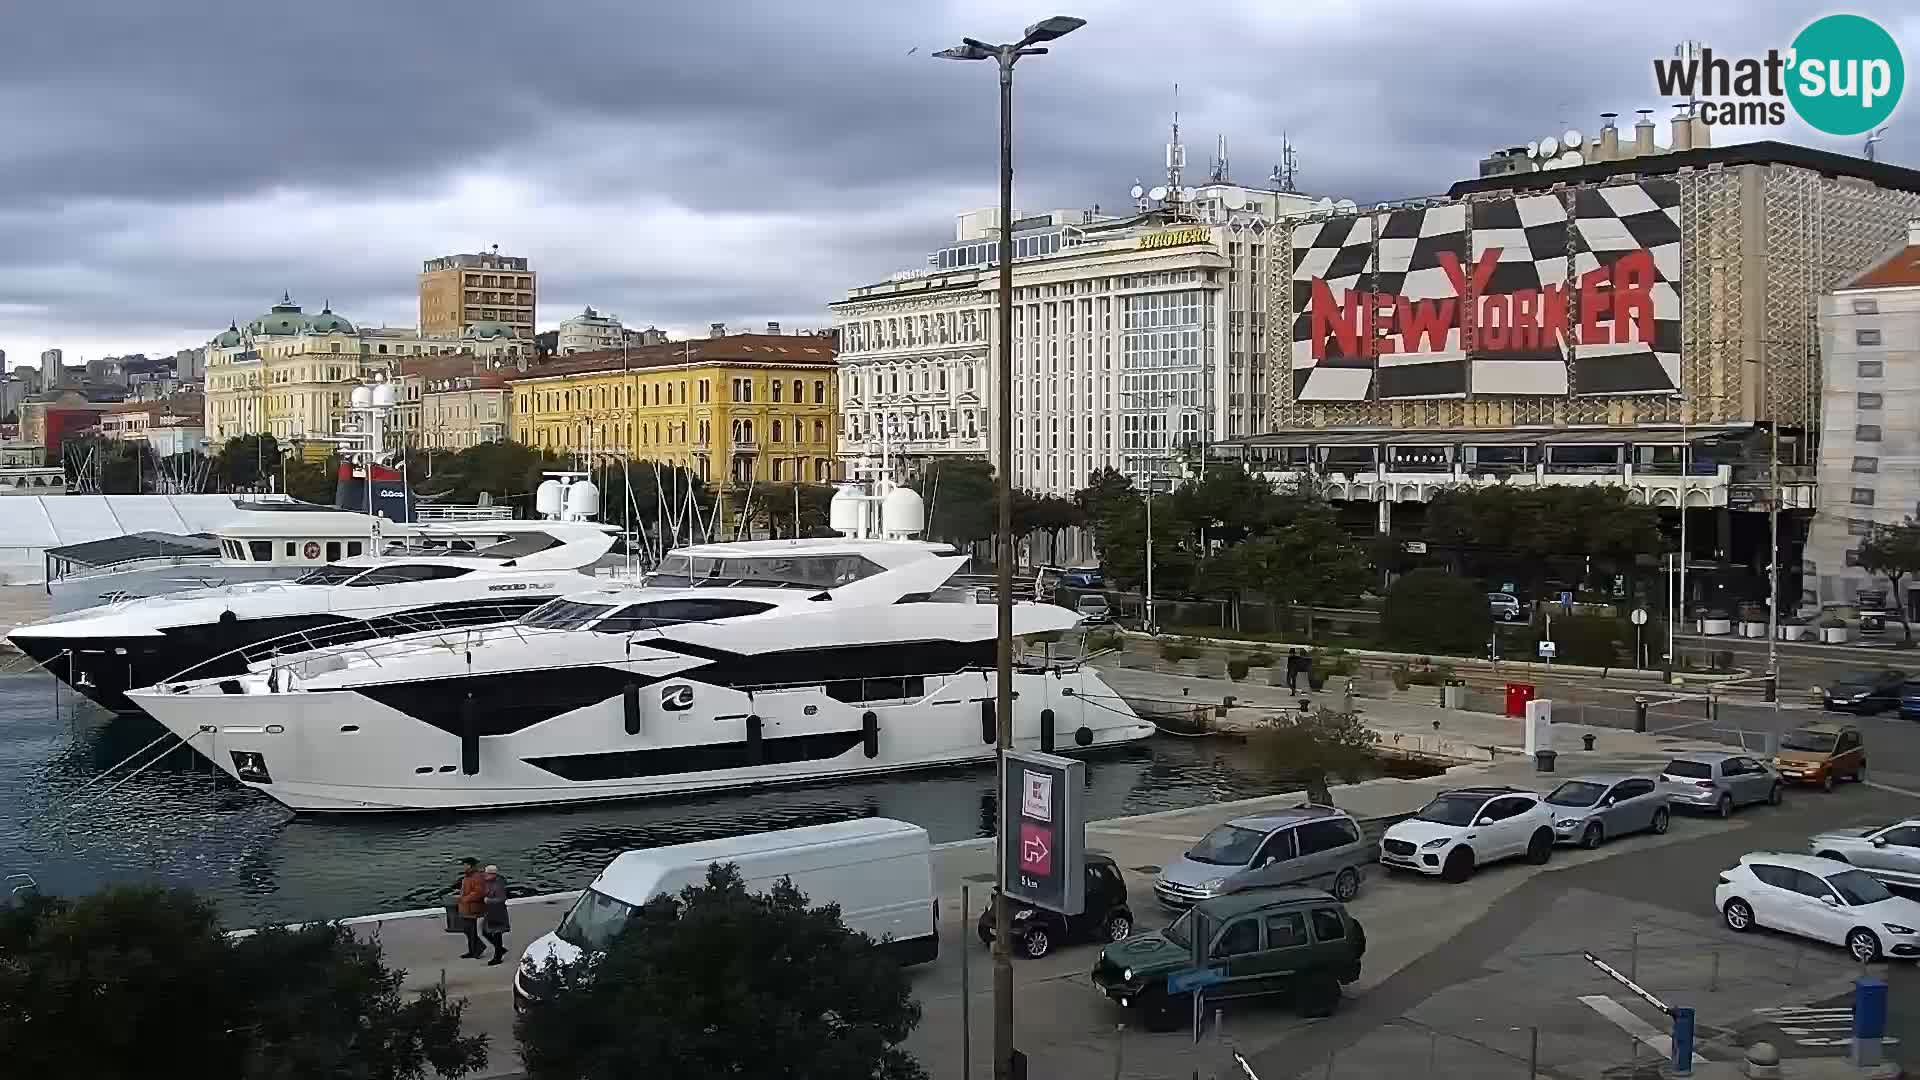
(1518, 694)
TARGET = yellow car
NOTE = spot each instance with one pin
(1821, 754)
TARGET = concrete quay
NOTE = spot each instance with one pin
(1063, 1025)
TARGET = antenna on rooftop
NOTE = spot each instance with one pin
(1176, 160)
(1287, 172)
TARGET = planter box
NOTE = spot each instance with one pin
(1753, 629)
(1264, 675)
(1418, 695)
(1716, 627)
(1795, 633)
(1833, 635)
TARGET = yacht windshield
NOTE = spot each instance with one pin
(563, 615)
(763, 571)
(595, 920)
(329, 575)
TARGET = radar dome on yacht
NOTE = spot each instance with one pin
(844, 512)
(547, 498)
(383, 396)
(902, 513)
(362, 396)
(583, 499)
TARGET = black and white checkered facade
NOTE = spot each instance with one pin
(1482, 298)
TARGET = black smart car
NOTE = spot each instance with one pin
(1105, 917)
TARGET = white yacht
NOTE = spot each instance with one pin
(735, 665)
(104, 650)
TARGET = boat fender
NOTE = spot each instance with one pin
(469, 738)
(1046, 731)
(1084, 736)
(988, 729)
(870, 732)
(630, 701)
(756, 746)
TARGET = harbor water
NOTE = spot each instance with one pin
(74, 825)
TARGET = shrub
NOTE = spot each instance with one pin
(1174, 651)
(1260, 658)
(1237, 668)
(1593, 640)
(1103, 640)
(1402, 678)
(1430, 610)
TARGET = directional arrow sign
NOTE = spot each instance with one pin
(1195, 979)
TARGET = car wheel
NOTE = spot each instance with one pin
(1776, 791)
(1458, 867)
(1119, 926)
(1864, 944)
(1739, 915)
(1834, 855)
(1346, 885)
(1725, 806)
(1826, 782)
(1540, 848)
(1036, 943)
(1661, 820)
(1319, 996)
(1593, 835)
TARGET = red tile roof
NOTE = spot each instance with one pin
(799, 349)
(1902, 269)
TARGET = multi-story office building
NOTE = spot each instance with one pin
(289, 374)
(1870, 419)
(52, 369)
(735, 408)
(1135, 336)
(589, 331)
(461, 291)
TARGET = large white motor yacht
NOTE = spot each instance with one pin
(735, 665)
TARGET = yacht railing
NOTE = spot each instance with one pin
(360, 636)
(76, 571)
(428, 512)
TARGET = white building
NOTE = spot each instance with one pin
(1869, 472)
(50, 367)
(589, 331)
(1134, 336)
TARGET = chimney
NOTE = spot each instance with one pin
(773, 329)
(1702, 132)
(1643, 134)
(1609, 137)
(715, 330)
(1682, 131)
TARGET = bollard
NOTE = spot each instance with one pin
(1682, 1041)
(1869, 1021)
(1587, 740)
(1772, 687)
(1640, 715)
(1713, 981)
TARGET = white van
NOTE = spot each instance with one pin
(878, 870)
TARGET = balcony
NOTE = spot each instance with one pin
(940, 445)
(1709, 485)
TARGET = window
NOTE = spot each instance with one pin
(819, 392)
(1864, 336)
(798, 386)
(670, 612)
(292, 548)
(1862, 497)
(1316, 836)
(1866, 432)
(1858, 527)
(1902, 836)
(1869, 369)
(1327, 925)
(1633, 789)
(406, 573)
(354, 548)
(1278, 848)
(1502, 809)
(1866, 401)
(1866, 464)
(333, 550)
(260, 550)
(1285, 929)
(1240, 938)
(776, 388)
(1866, 307)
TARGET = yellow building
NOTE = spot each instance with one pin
(733, 408)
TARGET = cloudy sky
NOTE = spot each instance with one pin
(167, 167)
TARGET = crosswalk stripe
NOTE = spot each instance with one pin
(1633, 1025)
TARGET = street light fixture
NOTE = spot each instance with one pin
(1006, 56)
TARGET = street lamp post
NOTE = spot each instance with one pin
(1006, 56)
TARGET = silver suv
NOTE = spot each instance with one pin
(1308, 844)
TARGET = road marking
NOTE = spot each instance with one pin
(1633, 1025)
(1908, 792)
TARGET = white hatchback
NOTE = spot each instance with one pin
(1820, 899)
(1468, 827)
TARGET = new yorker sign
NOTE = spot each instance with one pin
(1199, 234)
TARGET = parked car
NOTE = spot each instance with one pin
(1504, 606)
(1312, 845)
(1819, 899)
(1866, 692)
(1105, 916)
(1888, 852)
(1910, 700)
(1093, 610)
(1083, 577)
(1298, 942)
(1820, 754)
(1587, 810)
(1468, 827)
(1718, 781)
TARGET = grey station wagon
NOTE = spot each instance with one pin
(1309, 844)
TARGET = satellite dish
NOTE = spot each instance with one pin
(1158, 193)
(1572, 158)
(1323, 204)
(1383, 206)
(1571, 139)
(1233, 198)
(1187, 194)
(1549, 146)
(1347, 205)
(1533, 149)
(1137, 191)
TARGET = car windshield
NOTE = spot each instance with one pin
(594, 921)
(1228, 845)
(1177, 931)
(1577, 793)
(1857, 888)
(1451, 809)
(1698, 770)
(1819, 742)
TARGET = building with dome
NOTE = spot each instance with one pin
(289, 373)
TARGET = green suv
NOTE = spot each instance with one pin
(1295, 941)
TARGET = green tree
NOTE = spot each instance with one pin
(1315, 747)
(133, 980)
(1434, 611)
(1307, 560)
(1107, 490)
(1893, 552)
(722, 982)
(1536, 533)
(311, 481)
(246, 461)
(960, 498)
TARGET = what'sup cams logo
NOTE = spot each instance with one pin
(1842, 75)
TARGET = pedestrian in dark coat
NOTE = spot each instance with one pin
(493, 922)
(1296, 666)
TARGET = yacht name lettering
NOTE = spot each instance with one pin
(519, 586)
